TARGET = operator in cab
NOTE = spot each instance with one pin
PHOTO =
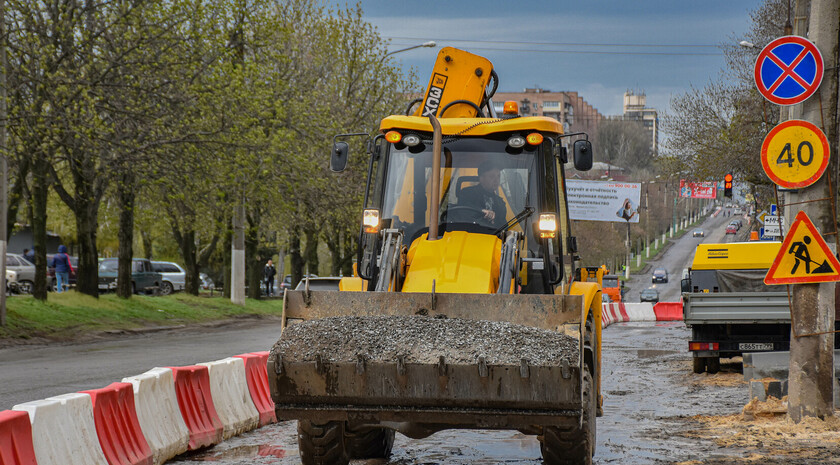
(483, 196)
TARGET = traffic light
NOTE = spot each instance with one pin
(727, 185)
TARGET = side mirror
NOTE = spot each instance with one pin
(685, 285)
(338, 158)
(583, 155)
(572, 245)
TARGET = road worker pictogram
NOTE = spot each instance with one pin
(804, 257)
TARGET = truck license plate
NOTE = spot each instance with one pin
(755, 346)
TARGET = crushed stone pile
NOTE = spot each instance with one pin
(423, 339)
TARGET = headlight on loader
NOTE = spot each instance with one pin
(548, 225)
(370, 220)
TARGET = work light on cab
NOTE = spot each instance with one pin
(511, 108)
(393, 137)
(534, 138)
(411, 140)
(548, 225)
(516, 142)
(370, 220)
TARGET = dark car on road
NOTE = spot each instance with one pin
(143, 277)
(660, 275)
(649, 295)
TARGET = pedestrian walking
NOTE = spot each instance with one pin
(268, 274)
(63, 268)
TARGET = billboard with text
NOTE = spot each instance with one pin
(603, 200)
(697, 190)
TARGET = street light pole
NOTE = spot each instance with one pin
(430, 43)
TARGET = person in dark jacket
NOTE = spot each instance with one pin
(29, 254)
(63, 267)
(268, 274)
(483, 196)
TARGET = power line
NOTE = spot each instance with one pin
(562, 44)
(592, 52)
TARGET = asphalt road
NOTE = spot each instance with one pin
(679, 257)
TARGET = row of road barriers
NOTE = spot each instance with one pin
(643, 311)
(145, 419)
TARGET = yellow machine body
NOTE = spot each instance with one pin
(458, 262)
(458, 75)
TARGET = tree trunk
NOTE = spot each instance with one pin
(125, 192)
(252, 260)
(40, 188)
(87, 274)
(297, 258)
(146, 237)
(311, 251)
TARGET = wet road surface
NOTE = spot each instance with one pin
(650, 396)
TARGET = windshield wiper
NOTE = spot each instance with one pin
(515, 220)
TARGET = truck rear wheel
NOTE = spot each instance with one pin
(572, 445)
(699, 364)
(373, 443)
(322, 444)
(713, 365)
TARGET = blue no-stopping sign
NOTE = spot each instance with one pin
(788, 70)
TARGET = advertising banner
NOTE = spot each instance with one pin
(603, 200)
(697, 190)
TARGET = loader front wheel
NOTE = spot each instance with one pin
(373, 443)
(322, 444)
(573, 445)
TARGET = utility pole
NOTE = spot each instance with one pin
(810, 388)
(4, 165)
(237, 259)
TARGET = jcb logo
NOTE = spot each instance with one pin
(432, 103)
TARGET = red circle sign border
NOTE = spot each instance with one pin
(795, 185)
(810, 90)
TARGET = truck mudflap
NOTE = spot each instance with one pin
(514, 396)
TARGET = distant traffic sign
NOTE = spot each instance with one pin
(760, 216)
(773, 225)
(788, 70)
(795, 154)
(804, 257)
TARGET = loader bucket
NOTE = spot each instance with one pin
(516, 394)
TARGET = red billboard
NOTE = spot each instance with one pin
(697, 190)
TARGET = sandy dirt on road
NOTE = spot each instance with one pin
(764, 434)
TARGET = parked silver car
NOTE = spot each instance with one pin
(25, 272)
(174, 277)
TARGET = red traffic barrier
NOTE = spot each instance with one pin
(668, 311)
(257, 376)
(16, 446)
(118, 427)
(192, 387)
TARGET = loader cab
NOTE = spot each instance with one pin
(488, 186)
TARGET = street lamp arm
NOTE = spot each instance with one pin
(430, 43)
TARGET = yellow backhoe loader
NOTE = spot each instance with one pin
(470, 308)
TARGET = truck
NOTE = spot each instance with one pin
(613, 287)
(469, 307)
(729, 308)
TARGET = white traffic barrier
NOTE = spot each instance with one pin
(63, 430)
(642, 311)
(158, 412)
(231, 397)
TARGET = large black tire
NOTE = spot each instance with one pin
(322, 444)
(713, 365)
(374, 443)
(699, 364)
(572, 445)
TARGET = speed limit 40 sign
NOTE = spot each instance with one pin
(795, 154)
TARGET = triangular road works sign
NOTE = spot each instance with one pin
(804, 257)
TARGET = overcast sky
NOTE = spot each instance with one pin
(530, 42)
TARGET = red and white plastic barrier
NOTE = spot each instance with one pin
(117, 426)
(63, 430)
(16, 446)
(256, 375)
(642, 311)
(231, 396)
(192, 388)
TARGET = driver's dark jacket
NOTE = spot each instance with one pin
(479, 198)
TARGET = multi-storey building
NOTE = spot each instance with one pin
(569, 108)
(635, 108)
